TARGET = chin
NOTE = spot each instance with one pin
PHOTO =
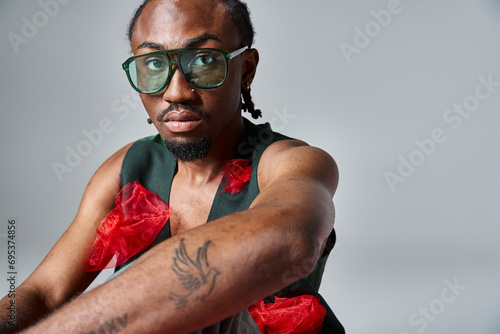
(189, 149)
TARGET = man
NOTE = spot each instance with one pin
(267, 198)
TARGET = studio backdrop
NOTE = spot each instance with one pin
(404, 94)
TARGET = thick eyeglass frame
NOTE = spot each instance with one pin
(172, 62)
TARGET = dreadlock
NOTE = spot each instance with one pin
(248, 104)
(240, 15)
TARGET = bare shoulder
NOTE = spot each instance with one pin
(100, 193)
(105, 183)
(114, 163)
(295, 159)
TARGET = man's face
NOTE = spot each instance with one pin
(181, 115)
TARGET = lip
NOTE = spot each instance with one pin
(182, 126)
(183, 121)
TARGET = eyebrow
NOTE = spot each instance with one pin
(193, 42)
(151, 45)
(200, 40)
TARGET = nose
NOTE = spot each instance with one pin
(178, 90)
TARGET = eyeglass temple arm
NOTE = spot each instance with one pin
(236, 53)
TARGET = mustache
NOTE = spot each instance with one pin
(205, 115)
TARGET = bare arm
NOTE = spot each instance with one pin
(243, 256)
(60, 276)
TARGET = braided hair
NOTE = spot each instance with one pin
(248, 104)
(240, 15)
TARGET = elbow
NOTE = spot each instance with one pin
(303, 258)
(311, 231)
(305, 253)
(294, 242)
(305, 248)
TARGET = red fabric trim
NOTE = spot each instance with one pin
(236, 175)
(128, 229)
(299, 315)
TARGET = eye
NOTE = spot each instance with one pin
(203, 59)
(155, 63)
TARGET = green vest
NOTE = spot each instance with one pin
(149, 162)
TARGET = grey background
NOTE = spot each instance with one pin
(396, 248)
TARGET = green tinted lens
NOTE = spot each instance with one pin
(149, 73)
(203, 68)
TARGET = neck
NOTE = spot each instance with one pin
(224, 147)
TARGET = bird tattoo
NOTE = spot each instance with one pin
(197, 278)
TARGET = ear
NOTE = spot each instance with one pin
(250, 62)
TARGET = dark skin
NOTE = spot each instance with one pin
(286, 226)
(195, 183)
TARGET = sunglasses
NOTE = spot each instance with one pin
(203, 68)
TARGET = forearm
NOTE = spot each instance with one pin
(20, 309)
(244, 264)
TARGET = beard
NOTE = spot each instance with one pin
(192, 150)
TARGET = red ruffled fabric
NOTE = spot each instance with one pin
(128, 229)
(236, 175)
(298, 315)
